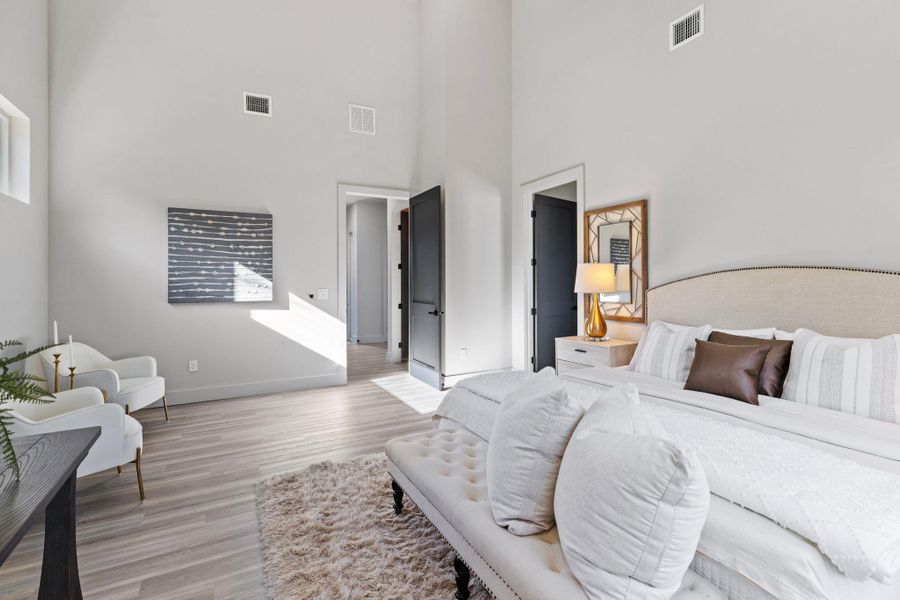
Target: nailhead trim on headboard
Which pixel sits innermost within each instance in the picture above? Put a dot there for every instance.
(853, 269)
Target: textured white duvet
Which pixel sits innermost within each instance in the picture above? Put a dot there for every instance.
(766, 459)
(851, 511)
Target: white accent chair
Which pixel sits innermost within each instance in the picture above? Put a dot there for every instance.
(121, 437)
(130, 382)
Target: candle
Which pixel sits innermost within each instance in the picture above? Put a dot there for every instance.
(71, 352)
(55, 334)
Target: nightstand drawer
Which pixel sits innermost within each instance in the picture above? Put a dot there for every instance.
(593, 356)
(564, 366)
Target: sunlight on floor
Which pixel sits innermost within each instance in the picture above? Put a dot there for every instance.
(419, 396)
(308, 326)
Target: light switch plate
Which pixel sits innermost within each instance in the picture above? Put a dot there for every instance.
(463, 353)
(192, 366)
(322, 294)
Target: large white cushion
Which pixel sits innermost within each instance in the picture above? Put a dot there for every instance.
(667, 350)
(629, 509)
(861, 377)
(533, 426)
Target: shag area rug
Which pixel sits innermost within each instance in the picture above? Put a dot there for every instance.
(330, 532)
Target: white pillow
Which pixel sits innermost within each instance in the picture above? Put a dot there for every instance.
(781, 334)
(766, 333)
(530, 434)
(629, 508)
(667, 350)
(857, 376)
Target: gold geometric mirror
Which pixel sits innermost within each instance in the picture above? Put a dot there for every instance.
(618, 235)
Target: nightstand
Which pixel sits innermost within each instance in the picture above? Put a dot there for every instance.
(577, 353)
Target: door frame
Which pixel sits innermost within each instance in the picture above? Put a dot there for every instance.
(397, 200)
(523, 332)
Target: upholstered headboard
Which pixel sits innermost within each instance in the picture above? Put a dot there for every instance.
(831, 300)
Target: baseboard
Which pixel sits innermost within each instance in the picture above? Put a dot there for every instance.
(256, 388)
(371, 339)
(451, 380)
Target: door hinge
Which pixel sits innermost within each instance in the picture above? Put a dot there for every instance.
(400, 345)
(400, 266)
(532, 360)
(533, 262)
(399, 227)
(533, 312)
(533, 214)
(400, 306)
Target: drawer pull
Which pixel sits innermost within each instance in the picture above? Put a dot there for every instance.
(582, 350)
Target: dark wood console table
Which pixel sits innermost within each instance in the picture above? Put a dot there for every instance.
(48, 464)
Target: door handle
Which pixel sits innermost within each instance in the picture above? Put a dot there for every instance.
(435, 313)
(581, 350)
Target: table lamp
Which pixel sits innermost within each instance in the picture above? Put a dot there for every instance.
(594, 278)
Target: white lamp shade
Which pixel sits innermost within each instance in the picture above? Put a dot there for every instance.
(623, 278)
(595, 277)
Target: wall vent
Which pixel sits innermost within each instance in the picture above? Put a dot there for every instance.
(257, 104)
(686, 28)
(362, 119)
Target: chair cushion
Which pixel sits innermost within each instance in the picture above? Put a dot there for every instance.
(528, 439)
(138, 392)
(629, 509)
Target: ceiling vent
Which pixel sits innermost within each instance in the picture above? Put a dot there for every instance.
(685, 29)
(257, 104)
(362, 119)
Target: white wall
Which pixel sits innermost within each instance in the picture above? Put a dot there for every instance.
(770, 140)
(464, 143)
(23, 227)
(432, 94)
(367, 219)
(146, 107)
(566, 191)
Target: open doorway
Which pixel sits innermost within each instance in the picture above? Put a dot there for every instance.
(554, 313)
(369, 282)
(549, 240)
(367, 275)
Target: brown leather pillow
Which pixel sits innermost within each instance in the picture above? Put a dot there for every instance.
(730, 371)
(775, 369)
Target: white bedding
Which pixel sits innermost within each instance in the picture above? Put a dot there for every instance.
(778, 560)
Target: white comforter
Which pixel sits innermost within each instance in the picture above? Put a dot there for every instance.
(851, 511)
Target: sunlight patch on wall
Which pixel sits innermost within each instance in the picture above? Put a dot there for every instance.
(308, 326)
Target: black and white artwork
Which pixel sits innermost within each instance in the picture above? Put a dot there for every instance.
(620, 251)
(219, 256)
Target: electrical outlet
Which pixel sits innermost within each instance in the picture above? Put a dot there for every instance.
(463, 353)
(322, 294)
(192, 366)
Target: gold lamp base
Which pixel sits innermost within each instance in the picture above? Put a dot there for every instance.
(595, 325)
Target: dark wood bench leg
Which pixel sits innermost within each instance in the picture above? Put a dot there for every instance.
(462, 579)
(59, 573)
(398, 497)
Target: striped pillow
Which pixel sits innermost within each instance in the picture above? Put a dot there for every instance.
(862, 378)
(667, 350)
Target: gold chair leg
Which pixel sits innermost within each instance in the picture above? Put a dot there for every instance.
(140, 477)
(166, 409)
(127, 412)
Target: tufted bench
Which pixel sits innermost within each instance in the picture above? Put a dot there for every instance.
(442, 471)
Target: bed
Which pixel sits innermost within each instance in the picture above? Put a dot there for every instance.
(743, 553)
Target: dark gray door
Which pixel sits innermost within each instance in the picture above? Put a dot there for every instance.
(425, 287)
(555, 311)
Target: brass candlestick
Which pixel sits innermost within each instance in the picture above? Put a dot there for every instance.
(71, 378)
(56, 372)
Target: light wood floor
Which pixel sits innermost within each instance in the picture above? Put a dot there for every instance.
(195, 536)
